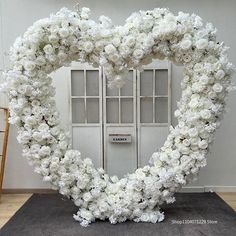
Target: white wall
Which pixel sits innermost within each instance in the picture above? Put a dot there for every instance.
(17, 15)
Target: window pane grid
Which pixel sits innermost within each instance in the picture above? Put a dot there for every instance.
(157, 113)
(85, 100)
(120, 103)
(156, 80)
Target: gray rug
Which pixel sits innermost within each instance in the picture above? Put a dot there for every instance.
(192, 214)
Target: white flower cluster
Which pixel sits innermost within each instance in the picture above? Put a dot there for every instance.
(66, 36)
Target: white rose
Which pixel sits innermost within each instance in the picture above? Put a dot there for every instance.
(186, 142)
(30, 120)
(24, 137)
(63, 145)
(177, 113)
(205, 114)
(204, 79)
(48, 49)
(55, 130)
(110, 49)
(175, 154)
(63, 32)
(29, 65)
(217, 88)
(184, 149)
(129, 41)
(138, 53)
(62, 56)
(87, 197)
(194, 103)
(202, 44)
(35, 148)
(114, 57)
(193, 132)
(47, 178)
(203, 144)
(53, 38)
(198, 87)
(40, 60)
(88, 47)
(44, 151)
(43, 127)
(116, 41)
(220, 74)
(37, 136)
(185, 44)
(198, 67)
(163, 157)
(194, 141)
(85, 12)
(204, 134)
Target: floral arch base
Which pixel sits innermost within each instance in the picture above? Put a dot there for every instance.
(72, 36)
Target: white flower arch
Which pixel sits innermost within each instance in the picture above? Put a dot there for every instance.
(71, 36)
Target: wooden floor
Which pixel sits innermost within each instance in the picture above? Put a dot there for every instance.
(10, 203)
(229, 198)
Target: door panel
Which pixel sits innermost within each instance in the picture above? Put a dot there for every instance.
(86, 140)
(121, 158)
(150, 140)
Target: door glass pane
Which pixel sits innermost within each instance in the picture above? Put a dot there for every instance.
(78, 110)
(111, 91)
(127, 89)
(146, 110)
(126, 110)
(146, 83)
(77, 82)
(112, 110)
(92, 82)
(93, 110)
(161, 82)
(161, 106)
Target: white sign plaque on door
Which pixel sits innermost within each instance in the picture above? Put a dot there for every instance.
(120, 138)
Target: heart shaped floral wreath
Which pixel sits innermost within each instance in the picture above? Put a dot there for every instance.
(71, 36)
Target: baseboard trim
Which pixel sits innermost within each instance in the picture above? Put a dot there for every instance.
(209, 188)
(220, 189)
(191, 189)
(194, 189)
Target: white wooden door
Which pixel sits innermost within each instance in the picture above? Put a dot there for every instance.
(140, 111)
(86, 112)
(153, 108)
(120, 119)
